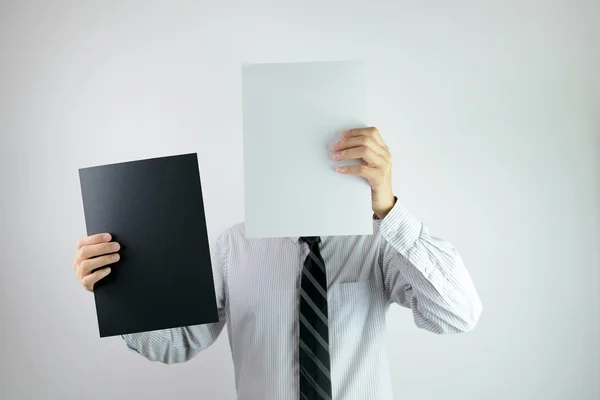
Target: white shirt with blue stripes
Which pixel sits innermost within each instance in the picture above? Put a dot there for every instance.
(257, 286)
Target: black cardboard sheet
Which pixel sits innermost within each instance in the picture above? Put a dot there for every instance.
(154, 209)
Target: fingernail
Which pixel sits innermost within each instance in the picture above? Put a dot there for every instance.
(106, 237)
(336, 156)
(106, 270)
(115, 246)
(339, 169)
(114, 257)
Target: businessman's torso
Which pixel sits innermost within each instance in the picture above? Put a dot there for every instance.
(262, 283)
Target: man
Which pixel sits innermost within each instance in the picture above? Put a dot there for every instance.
(306, 316)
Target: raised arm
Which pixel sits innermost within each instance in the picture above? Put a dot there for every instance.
(426, 274)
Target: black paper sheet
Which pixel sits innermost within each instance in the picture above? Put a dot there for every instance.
(154, 209)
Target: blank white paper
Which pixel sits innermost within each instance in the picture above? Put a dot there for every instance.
(292, 113)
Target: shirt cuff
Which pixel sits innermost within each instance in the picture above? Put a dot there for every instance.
(399, 227)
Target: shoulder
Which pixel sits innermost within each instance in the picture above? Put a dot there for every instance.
(235, 236)
(235, 232)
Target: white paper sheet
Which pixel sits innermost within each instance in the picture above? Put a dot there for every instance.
(292, 113)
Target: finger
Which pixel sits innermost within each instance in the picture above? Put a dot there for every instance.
(370, 132)
(93, 239)
(367, 172)
(95, 250)
(362, 152)
(358, 141)
(364, 141)
(87, 266)
(89, 281)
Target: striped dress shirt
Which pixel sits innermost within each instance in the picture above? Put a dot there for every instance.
(257, 285)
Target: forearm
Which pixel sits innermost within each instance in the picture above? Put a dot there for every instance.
(426, 274)
(443, 299)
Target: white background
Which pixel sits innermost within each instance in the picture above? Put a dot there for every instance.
(492, 112)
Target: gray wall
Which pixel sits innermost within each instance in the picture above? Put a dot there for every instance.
(492, 110)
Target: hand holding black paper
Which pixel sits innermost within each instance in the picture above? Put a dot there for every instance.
(94, 254)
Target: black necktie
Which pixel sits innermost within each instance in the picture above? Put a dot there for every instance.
(315, 375)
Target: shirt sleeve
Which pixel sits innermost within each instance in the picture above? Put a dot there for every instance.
(425, 274)
(181, 344)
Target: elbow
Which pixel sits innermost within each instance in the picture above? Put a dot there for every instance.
(472, 317)
(451, 322)
(169, 355)
(173, 356)
(176, 358)
(469, 319)
(177, 354)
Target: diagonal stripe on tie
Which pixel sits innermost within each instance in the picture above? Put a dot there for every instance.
(313, 320)
(319, 286)
(316, 358)
(317, 261)
(307, 389)
(314, 307)
(314, 384)
(317, 295)
(307, 331)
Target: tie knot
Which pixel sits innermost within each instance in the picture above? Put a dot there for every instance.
(311, 239)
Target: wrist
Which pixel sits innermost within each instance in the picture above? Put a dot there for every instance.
(381, 213)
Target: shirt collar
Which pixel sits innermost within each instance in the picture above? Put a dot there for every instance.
(296, 238)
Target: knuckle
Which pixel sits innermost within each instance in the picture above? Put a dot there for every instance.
(364, 139)
(88, 282)
(84, 265)
(82, 253)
